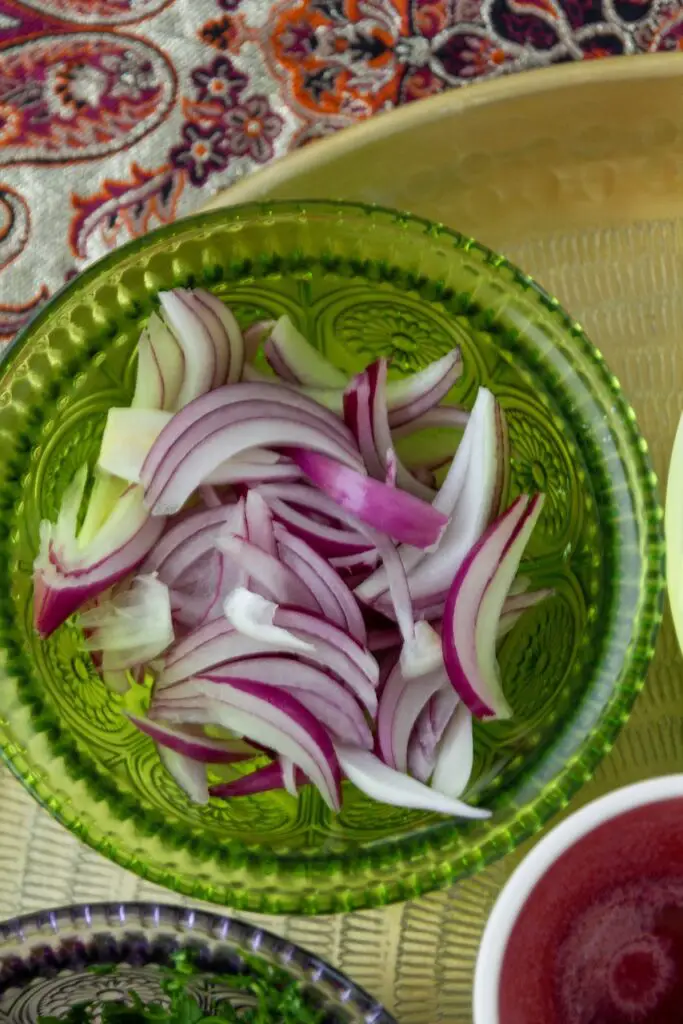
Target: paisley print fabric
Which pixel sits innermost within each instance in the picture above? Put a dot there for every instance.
(116, 116)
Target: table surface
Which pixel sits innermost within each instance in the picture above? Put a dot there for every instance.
(217, 94)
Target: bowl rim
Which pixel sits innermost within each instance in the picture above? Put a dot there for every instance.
(187, 922)
(356, 891)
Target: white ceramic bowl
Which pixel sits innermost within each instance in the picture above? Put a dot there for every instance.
(520, 885)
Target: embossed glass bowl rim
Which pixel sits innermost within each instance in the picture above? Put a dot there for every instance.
(79, 920)
(369, 877)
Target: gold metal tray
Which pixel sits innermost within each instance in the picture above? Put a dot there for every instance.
(575, 173)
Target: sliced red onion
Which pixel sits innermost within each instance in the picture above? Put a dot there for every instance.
(289, 775)
(276, 720)
(227, 336)
(314, 627)
(365, 414)
(474, 606)
(189, 774)
(449, 416)
(186, 542)
(378, 781)
(455, 755)
(161, 365)
(401, 703)
(225, 424)
(294, 505)
(411, 397)
(329, 591)
(401, 516)
(133, 626)
(66, 574)
(210, 496)
(468, 496)
(422, 652)
(317, 690)
(252, 616)
(429, 728)
(272, 577)
(127, 439)
(254, 336)
(198, 748)
(259, 523)
(263, 780)
(294, 359)
(194, 339)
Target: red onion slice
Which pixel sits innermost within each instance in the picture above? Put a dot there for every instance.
(66, 575)
(474, 605)
(175, 468)
(378, 781)
(329, 591)
(455, 755)
(263, 780)
(194, 339)
(259, 523)
(253, 615)
(320, 692)
(198, 748)
(276, 720)
(294, 359)
(273, 578)
(161, 365)
(401, 516)
(411, 397)
(189, 774)
(365, 413)
(226, 333)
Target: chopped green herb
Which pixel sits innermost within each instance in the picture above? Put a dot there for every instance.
(277, 1000)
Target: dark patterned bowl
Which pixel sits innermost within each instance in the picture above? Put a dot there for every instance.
(46, 961)
(360, 282)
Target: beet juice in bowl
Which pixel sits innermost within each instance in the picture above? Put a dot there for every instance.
(589, 928)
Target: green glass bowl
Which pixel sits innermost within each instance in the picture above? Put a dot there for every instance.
(360, 282)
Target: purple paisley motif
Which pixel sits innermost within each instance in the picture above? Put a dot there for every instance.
(97, 12)
(15, 225)
(76, 96)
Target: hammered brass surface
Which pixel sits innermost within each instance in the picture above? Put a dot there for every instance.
(575, 173)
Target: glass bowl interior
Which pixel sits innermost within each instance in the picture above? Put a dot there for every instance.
(359, 282)
(53, 960)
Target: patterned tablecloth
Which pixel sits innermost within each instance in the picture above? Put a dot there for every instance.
(119, 115)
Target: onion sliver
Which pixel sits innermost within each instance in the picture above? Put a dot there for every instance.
(226, 333)
(252, 616)
(127, 439)
(378, 781)
(365, 414)
(294, 359)
(474, 605)
(399, 515)
(321, 693)
(224, 434)
(276, 720)
(244, 395)
(455, 755)
(263, 780)
(188, 773)
(275, 580)
(199, 748)
(161, 365)
(66, 575)
(328, 589)
(133, 627)
(410, 397)
(194, 339)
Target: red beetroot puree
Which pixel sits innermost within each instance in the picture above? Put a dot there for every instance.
(600, 938)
